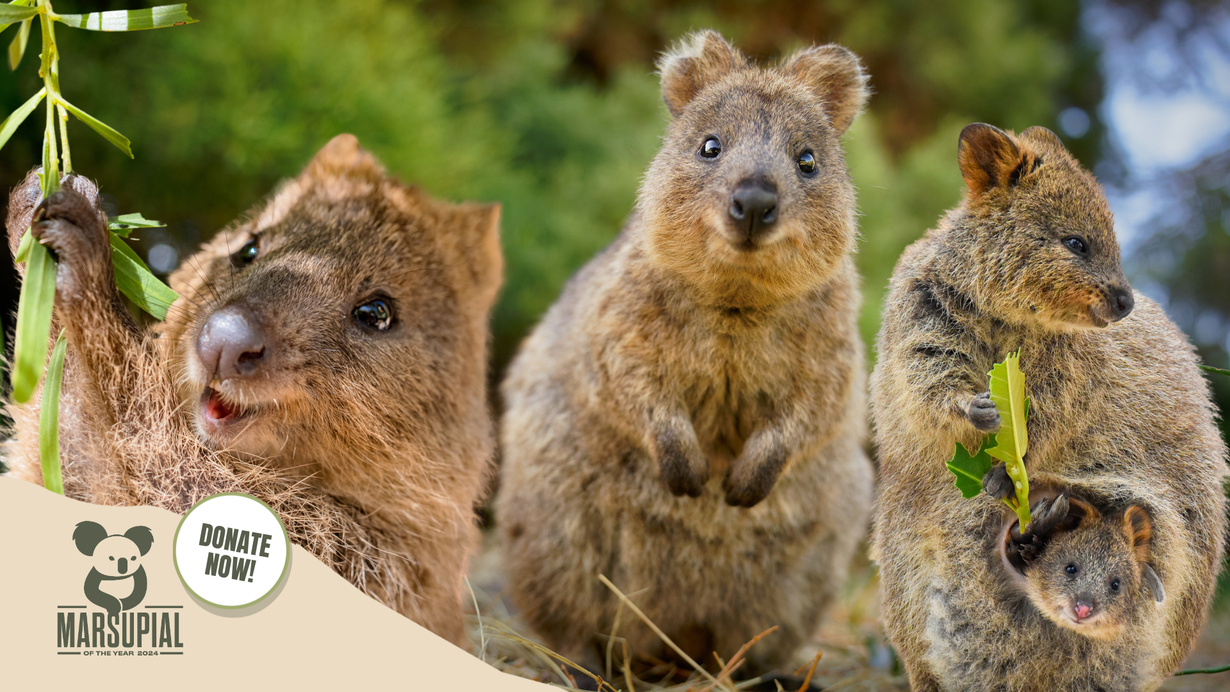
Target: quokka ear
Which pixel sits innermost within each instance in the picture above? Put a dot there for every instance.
(991, 158)
(1040, 134)
(473, 234)
(837, 77)
(342, 157)
(1149, 577)
(1139, 529)
(693, 63)
(87, 536)
(1081, 513)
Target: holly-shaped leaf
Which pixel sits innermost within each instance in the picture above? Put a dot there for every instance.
(1012, 440)
(969, 469)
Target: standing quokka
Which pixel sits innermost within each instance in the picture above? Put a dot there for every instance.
(1029, 261)
(689, 417)
(327, 355)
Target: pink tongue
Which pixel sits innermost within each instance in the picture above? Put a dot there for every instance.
(217, 408)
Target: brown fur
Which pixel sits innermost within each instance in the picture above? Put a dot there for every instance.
(681, 373)
(1091, 558)
(372, 447)
(1119, 411)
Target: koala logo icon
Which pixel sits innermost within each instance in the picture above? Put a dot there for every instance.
(117, 581)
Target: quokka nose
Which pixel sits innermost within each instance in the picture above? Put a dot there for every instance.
(1082, 610)
(753, 207)
(231, 343)
(1122, 302)
(123, 565)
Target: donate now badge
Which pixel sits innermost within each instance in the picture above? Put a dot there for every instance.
(231, 550)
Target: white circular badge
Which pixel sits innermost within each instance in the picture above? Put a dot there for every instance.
(231, 550)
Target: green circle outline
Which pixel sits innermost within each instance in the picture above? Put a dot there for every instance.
(175, 555)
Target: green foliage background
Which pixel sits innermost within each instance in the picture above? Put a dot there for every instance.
(551, 109)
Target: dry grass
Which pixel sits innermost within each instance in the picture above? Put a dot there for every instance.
(848, 653)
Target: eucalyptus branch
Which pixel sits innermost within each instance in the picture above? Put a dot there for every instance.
(37, 299)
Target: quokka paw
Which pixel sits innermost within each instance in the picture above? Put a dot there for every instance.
(998, 484)
(983, 414)
(22, 201)
(1046, 516)
(752, 477)
(748, 494)
(684, 467)
(71, 226)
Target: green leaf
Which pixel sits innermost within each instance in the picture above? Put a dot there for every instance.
(23, 248)
(38, 292)
(130, 20)
(123, 225)
(100, 127)
(11, 14)
(49, 420)
(969, 469)
(18, 47)
(136, 281)
(1012, 440)
(1219, 371)
(11, 123)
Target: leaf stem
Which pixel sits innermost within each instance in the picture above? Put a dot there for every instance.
(53, 90)
(49, 71)
(1022, 515)
(68, 161)
(1203, 671)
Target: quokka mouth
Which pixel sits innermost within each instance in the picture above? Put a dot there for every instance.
(217, 413)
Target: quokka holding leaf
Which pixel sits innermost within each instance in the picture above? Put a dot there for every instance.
(688, 419)
(1118, 406)
(327, 355)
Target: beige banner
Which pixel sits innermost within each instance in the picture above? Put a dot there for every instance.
(316, 632)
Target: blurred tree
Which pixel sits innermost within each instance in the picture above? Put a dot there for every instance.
(1179, 49)
(1186, 259)
(935, 69)
(550, 108)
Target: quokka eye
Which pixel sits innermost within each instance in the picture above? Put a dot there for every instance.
(711, 148)
(1070, 569)
(375, 314)
(1077, 245)
(247, 253)
(1114, 586)
(112, 558)
(807, 163)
